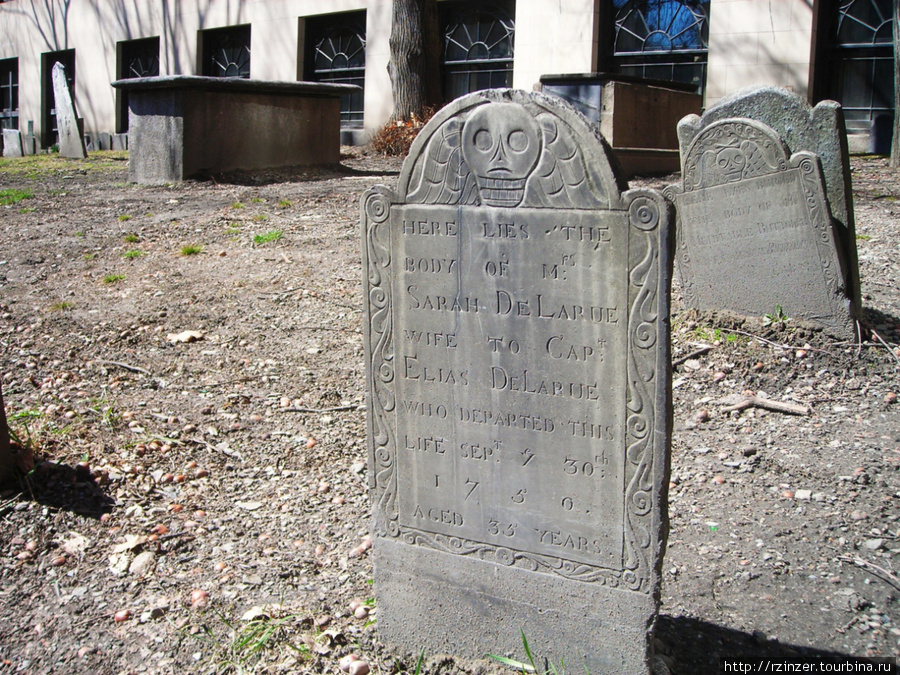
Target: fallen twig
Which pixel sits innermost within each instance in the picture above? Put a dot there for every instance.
(886, 345)
(354, 406)
(126, 366)
(883, 574)
(222, 384)
(742, 402)
(697, 352)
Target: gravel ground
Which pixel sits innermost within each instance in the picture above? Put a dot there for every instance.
(184, 364)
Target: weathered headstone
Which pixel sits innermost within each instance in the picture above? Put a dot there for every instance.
(71, 142)
(29, 143)
(820, 130)
(755, 235)
(12, 143)
(519, 393)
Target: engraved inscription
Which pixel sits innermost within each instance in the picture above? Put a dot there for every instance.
(506, 394)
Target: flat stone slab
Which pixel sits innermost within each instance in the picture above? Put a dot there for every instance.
(183, 126)
(519, 391)
(755, 234)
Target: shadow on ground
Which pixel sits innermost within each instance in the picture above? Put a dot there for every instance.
(694, 647)
(66, 488)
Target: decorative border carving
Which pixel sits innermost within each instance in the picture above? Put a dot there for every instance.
(645, 441)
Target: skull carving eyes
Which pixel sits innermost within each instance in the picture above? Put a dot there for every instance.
(731, 162)
(501, 143)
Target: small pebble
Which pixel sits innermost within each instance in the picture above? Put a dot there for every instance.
(347, 661)
(361, 612)
(890, 397)
(359, 668)
(122, 615)
(199, 598)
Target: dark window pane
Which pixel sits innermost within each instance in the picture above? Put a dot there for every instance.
(861, 60)
(337, 54)
(478, 47)
(662, 39)
(226, 52)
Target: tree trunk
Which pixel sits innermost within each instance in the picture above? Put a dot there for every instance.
(7, 460)
(895, 145)
(415, 57)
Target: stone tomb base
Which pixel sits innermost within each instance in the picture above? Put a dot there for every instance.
(184, 126)
(461, 605)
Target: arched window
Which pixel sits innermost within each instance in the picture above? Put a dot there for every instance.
(478, 47)
(662, 39)
(861, 60)
(226, 52)
(338, 54)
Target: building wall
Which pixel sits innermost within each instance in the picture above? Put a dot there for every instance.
(753, 42)
(30, 28)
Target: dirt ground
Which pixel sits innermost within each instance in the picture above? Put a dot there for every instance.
(198, 500)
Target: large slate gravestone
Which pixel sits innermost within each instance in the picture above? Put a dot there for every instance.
(71, 142)
(820, 130)
(519, 393)
(755, 234)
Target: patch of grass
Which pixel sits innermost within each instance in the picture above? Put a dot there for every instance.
(11, 196)
(776, 317)
(62, 306)
(257, 200)
(41, 166)
(260, 216)
(131, 238)
(237, 205)
(191, 249)
(243, 646)
(266, 237)
(285, 203)
(28, 209)
(132, 254)
(530, 666)
(863, 237)
(113, 278)
(89, 256)
(124, 217)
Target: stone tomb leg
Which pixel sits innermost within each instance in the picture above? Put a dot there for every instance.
(517, 343)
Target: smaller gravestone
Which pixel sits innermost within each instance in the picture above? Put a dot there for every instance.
(104, 141)
(755, 235)
(819, 129)
(71, 142)
(29, 143)
(119, 142)
(12, 143)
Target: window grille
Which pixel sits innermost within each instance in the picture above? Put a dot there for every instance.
(478, 48)
(9, 93)
(226, 52)
(662, 40)
(136, 58)
(338, 55)
(862, 60)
